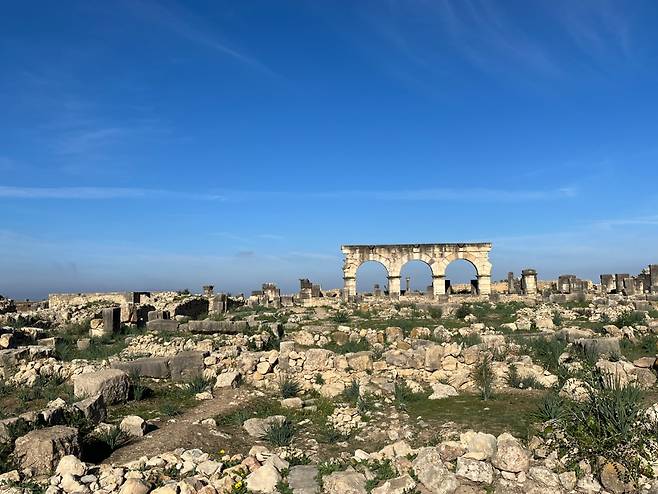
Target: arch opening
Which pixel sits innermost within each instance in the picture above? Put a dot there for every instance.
(461, 277)
(416, 278)
(372, 278)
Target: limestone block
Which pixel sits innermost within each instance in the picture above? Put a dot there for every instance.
(113, 384)
(41, 450)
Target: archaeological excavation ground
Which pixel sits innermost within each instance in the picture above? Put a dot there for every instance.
(517, 386)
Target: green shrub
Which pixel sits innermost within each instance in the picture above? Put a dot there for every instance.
(462, 311)
(483, 376)
(365, 403)
(551, 407)
(468, 339)
(170, 409)
(608, 426)
(545, 351)
(280, 433)
(435, 312)
(137, 386)
(513, 379)
(381, 471)
(282, 487)
(403, 394)
(288, 386)
(352, 392)
(319, 380)
(630, 318)
(557, 318)
(341, 317)
(331, 435)
(113, 437)
(197, 384)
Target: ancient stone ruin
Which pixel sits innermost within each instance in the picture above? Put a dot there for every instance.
(493, 389)
(436, 256)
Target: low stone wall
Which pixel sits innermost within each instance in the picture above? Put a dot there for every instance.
(62, 300)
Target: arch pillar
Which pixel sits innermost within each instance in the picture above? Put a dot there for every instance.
(484, 284)
(394, 286)
(438, 285)
(349, 287)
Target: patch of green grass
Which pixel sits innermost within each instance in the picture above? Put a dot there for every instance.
(490, 314)
(15, 400)
(257, 408)
(646, 345)
(163, 400)
(504, 412)
(576, 304)
(349, 346)
(99, 348)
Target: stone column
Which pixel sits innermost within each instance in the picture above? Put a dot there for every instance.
(349, 287)
(111, 323)
(619, 281)
(394, 286)
(529, 281)
(484, 284)
(510, 283)
(438, 285)
(653, 277)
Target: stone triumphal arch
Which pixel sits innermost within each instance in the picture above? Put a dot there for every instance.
(436, 256)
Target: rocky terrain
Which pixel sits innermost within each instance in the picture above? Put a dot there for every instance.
(473, 395)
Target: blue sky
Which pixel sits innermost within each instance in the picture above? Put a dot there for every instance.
(161, 145)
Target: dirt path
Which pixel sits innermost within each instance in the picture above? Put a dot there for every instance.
(183, 433)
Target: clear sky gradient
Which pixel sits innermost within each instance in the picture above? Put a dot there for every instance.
(161, 145)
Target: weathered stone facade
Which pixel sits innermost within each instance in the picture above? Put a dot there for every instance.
(436, 256)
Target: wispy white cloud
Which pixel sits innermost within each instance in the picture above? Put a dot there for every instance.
(420, 195)
(434, 194)
(601, 29)
(96, 193)
(183, 23)
(651, 220)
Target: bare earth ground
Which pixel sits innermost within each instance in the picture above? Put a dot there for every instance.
(181, 432)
